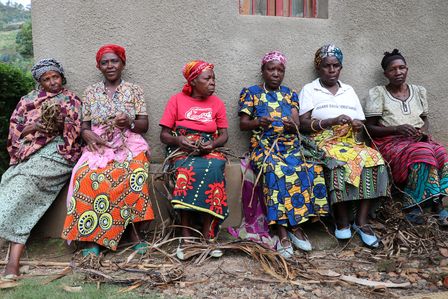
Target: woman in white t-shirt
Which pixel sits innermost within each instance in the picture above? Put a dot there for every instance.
(332, 113)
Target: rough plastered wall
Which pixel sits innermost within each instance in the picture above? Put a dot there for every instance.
(162, 35)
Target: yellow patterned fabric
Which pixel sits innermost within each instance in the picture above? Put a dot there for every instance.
(340, 143)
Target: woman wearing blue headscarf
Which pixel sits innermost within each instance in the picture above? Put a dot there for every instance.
(330, 110)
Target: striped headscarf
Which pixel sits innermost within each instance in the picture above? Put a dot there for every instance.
(191, 71)
(274, 55)
(111, 48)
(45, 65)
(327, 51)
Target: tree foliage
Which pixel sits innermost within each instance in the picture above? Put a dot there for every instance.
(13, 13)
(24, 40)
(14, 83)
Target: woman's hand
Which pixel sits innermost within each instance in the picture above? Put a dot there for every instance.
(289, 125)
(94, 142)
(33, 128)
(357, 125)
(186, 144)
(406, 130)
(341, 120)
(206, 147)
(265, 122)
(122, 121)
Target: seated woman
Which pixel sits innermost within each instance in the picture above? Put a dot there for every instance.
(194, 124)
(293, 188)
(397, 120)
(43, 144)
(109, 188)
(332, 113)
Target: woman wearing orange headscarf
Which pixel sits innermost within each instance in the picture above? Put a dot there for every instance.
(194, 124)
(109, 188)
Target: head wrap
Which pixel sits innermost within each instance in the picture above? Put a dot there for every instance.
(274, 55)
(389, 57)
(327, 51)
(111, 48)
(45, 65)
(191, 71)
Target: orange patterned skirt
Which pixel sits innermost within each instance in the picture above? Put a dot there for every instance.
(106, 200)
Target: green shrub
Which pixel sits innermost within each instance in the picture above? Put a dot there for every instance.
(14, 83)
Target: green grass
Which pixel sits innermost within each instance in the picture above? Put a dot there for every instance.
(34, 288)
(8, 42)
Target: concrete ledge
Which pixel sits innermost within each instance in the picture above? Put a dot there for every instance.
(51, 224)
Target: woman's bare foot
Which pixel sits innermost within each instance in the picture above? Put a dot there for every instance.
(12, 268)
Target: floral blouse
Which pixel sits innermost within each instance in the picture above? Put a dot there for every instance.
(98, 108)
(28, 112)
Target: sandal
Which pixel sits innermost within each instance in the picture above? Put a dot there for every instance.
(9, 277)
(95, 250)
(443, 218)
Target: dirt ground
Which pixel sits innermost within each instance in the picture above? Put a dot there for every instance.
(328, 272)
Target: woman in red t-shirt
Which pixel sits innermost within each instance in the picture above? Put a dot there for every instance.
(194, 124)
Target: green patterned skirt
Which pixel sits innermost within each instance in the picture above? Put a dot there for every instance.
(28, 189)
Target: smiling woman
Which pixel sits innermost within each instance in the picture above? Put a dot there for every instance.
(109, 189)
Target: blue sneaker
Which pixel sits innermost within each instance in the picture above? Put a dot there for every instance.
(305, 245)
(369, 240)
(343, 234)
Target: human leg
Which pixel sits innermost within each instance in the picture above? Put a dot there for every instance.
(13, 265)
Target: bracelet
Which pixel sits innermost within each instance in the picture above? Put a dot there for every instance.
(312, 125)
(320, 125)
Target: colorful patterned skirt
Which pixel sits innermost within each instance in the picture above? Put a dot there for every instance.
(293, 188)
(106, 200)
(29, 188)
(200, 182)
(362, 176)
(421, 166)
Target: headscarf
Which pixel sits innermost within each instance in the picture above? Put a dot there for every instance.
(191, 71)
(327, 51)
(111, 48)
(45, 65)
(274, 55)
(389, 57)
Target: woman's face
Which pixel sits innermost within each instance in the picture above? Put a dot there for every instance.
(111, 66)
(329, 70)
(204, 84)
(273, 73)
(396, 72)
(51, 81)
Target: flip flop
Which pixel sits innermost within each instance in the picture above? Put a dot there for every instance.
(95, 250)
(9, 277)
(141, 248)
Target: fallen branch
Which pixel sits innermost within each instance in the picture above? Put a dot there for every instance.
(375, 284)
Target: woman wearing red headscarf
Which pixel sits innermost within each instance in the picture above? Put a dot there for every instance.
(109, 189)
(193, 125)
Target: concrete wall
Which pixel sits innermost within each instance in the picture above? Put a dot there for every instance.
(161, 36)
